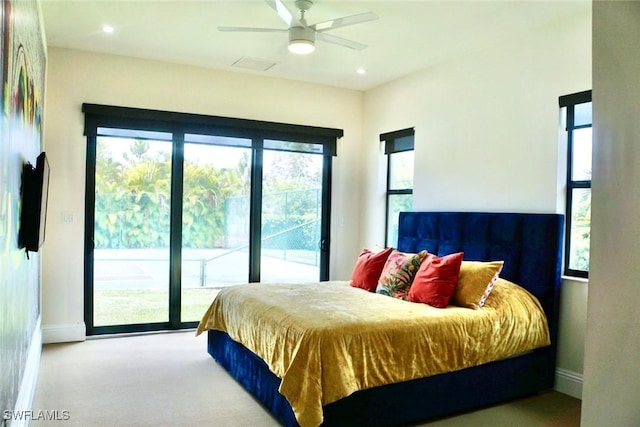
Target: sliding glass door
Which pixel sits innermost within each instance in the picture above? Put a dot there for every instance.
(215, 220)
(131, 231)
(291, 217)
(179, 206)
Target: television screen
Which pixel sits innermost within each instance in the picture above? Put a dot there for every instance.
(35, 191)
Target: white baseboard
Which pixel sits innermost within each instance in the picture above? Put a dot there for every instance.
(63, 333)
(29, 378)
(569, 382)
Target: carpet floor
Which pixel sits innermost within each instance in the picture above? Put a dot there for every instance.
(168, 379)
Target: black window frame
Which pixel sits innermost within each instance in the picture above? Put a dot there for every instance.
(395, 142)
(569, 102)
(101, 118)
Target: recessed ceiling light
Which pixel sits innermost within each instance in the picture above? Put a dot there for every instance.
(361, 71)
(107, 29)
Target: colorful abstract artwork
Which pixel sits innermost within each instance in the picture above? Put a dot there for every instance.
(22, 64)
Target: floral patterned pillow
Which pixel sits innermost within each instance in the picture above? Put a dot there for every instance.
(398, 273)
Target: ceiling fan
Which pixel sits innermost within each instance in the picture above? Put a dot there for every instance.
(302, 36)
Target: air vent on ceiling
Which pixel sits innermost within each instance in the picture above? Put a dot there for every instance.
(253, 64)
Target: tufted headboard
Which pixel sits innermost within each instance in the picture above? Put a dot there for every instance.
(530, 245)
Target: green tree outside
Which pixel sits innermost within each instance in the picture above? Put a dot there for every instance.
(133, 196)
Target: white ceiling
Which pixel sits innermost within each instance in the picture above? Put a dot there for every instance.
(407, 37)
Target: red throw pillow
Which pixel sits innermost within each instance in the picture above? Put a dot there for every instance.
(368, 269)
(436, 280)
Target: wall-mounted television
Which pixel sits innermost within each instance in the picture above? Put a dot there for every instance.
(34, 193)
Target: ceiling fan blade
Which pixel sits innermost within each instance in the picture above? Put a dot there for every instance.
(282, 11)
(343, 22)
(330, 38)
(252, 29)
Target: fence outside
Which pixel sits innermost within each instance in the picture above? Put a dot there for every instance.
(290, 234)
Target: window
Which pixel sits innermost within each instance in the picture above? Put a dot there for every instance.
(398, 146)
(181, 205)
(576, 112)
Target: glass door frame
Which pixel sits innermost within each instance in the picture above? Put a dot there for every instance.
(175, 237)
(101, 116)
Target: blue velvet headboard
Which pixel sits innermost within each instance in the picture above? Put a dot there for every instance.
(529, 244)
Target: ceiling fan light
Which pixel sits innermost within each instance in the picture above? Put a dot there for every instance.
(302, 40)
(301, 47)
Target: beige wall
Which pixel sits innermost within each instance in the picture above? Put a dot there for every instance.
(612, 356)
(486, 138)
(76, 77)
(573, 322)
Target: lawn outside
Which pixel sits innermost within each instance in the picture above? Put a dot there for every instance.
(132, 286)
(129, 306)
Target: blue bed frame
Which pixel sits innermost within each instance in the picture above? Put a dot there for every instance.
(530, 245)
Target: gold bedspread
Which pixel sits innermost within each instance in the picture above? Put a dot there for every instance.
(327, 340)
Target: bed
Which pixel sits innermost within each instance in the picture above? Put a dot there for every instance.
(529, 244)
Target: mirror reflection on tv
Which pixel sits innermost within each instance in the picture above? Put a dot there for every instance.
(34, 193)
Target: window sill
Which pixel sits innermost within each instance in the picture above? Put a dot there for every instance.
(584, 280)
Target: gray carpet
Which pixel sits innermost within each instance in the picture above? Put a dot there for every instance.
(168, 379)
